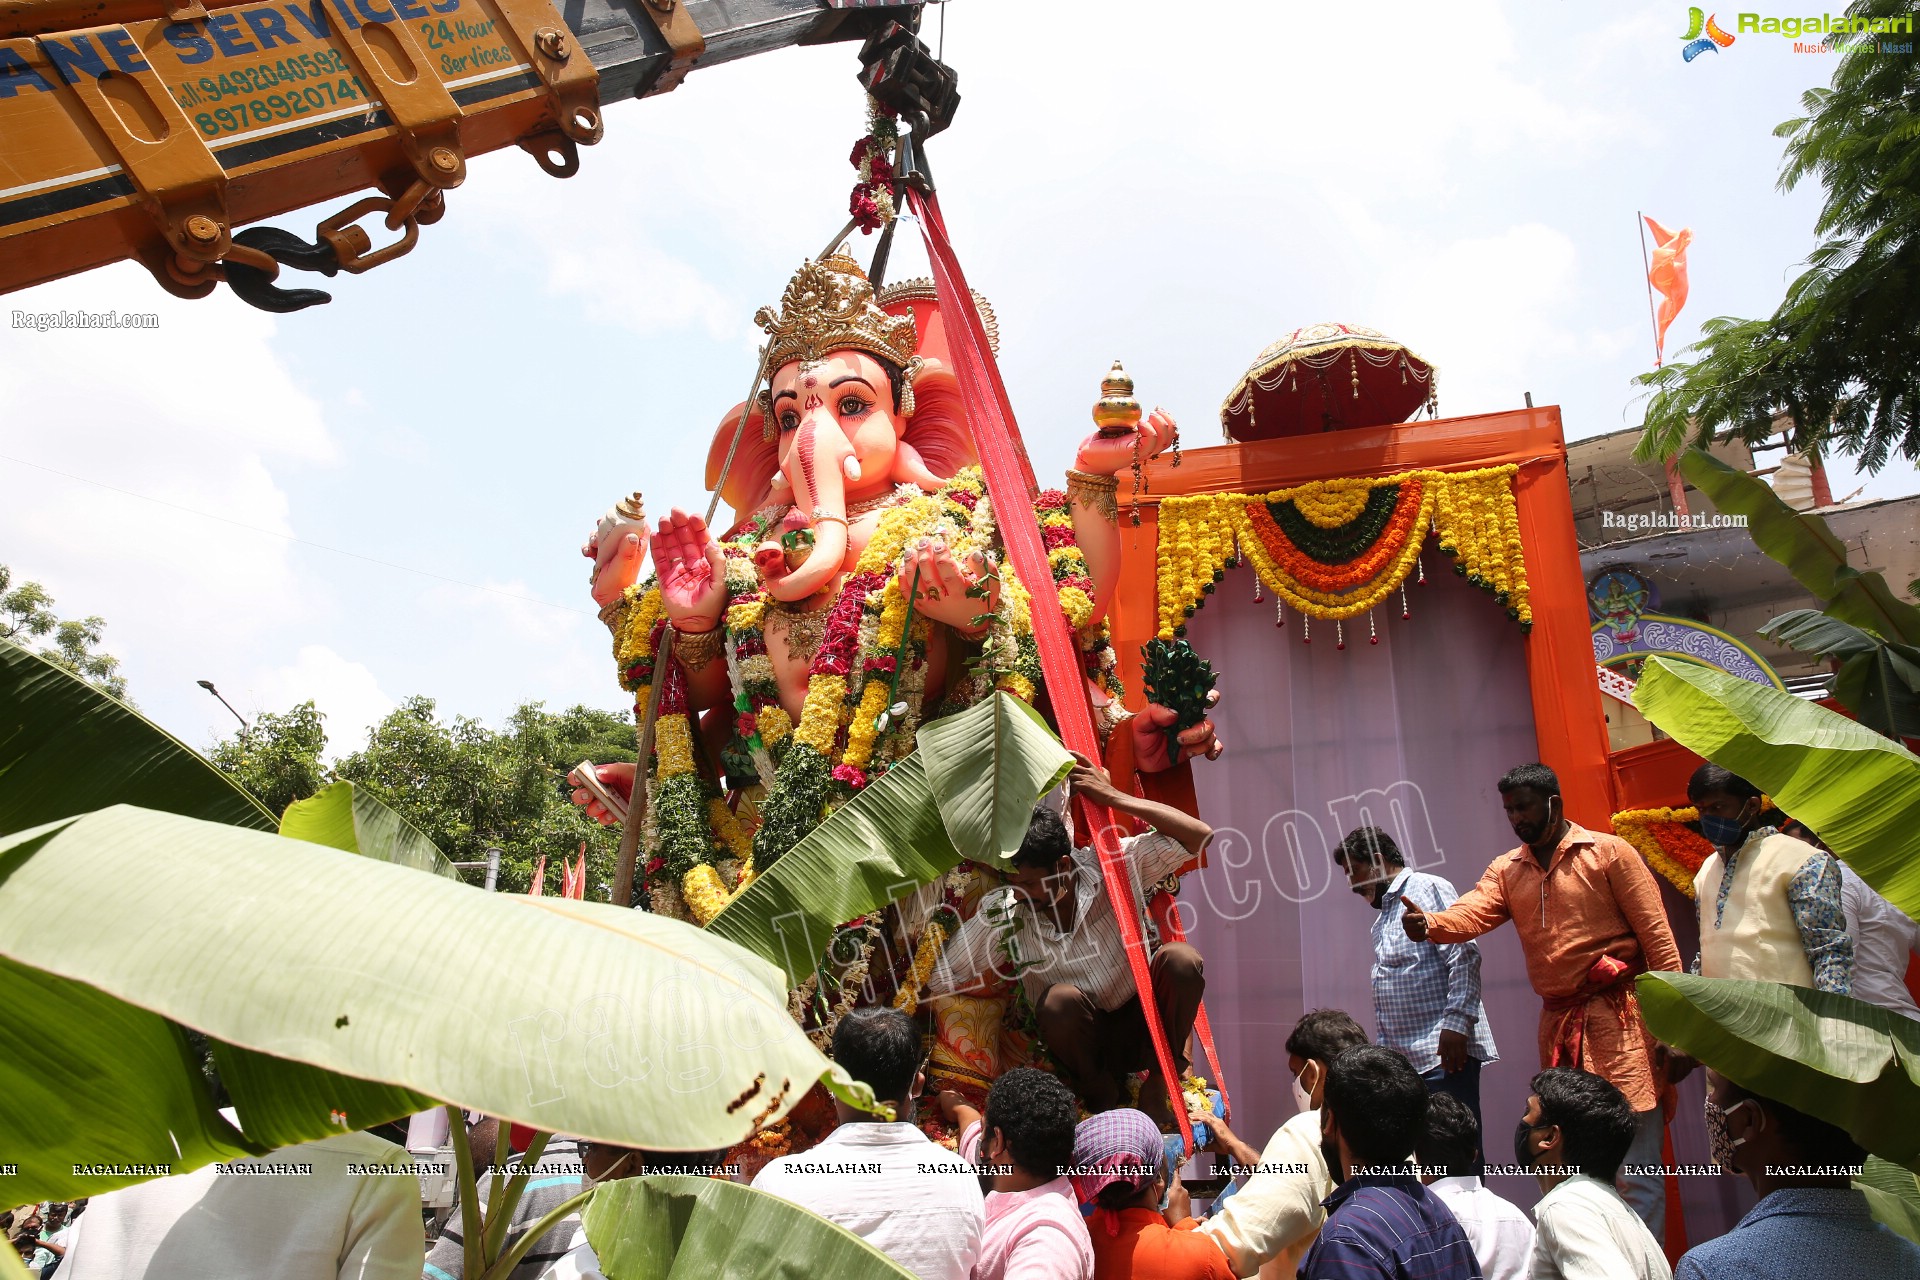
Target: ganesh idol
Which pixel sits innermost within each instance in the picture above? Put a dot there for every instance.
(860, 593)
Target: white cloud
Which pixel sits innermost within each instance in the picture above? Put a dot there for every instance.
(347, 692)
(198, 414)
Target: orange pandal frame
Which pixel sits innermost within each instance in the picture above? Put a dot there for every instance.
(1569, 721)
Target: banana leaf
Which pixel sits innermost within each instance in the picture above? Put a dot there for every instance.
(1843, 1060)
(1878, 680)
(670, 1227)
(661, 1035)
(1893, 1196)
(987, 765)
(976, 773)
(11, 1268)
(1859, 790)
(123, 1084)
(66, 748)
(1806, 546)
(342, 816)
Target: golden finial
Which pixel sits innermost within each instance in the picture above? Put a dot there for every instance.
(1117, 413)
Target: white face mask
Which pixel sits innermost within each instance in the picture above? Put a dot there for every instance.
(1302, 1091)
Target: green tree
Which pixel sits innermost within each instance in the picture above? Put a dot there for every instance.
(1838, 353)
(470, 788)
(278, 758)
(26, 613)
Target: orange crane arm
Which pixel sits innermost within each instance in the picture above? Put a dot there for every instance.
(155, 136)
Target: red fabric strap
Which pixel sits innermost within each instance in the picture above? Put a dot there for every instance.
(1010, 483)
(1166, 914)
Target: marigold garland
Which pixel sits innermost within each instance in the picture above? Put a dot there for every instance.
(925, 957)
(1315, 547)
(1663, 837)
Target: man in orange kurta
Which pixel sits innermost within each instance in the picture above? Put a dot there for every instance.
(1589, 917)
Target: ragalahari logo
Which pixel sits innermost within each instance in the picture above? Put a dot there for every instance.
(1714, 39)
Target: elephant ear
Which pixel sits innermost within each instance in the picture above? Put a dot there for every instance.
(756, 465)
(938, 428)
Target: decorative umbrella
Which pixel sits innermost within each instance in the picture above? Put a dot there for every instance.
(1326, 377)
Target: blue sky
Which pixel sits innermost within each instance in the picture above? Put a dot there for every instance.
(1174, 194)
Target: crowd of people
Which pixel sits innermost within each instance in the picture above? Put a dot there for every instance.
(1071, 1173)
(38, 1233)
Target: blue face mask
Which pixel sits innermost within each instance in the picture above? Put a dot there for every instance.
(1724, 833)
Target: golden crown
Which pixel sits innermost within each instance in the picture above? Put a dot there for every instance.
(829, 306)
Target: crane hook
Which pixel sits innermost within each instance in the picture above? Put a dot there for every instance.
(256, 287)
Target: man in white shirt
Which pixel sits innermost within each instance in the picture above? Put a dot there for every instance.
(1449, 1152)
(1883, 937)
(1266, 1226)
(1574, 1137)
(886, 1181)
(342, 1208)
(1053, 927)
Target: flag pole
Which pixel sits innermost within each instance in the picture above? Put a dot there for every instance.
(1646, 274)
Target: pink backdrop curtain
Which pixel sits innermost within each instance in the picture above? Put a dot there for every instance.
(1411, 735)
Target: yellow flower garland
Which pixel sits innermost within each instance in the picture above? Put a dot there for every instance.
(925, 957)
(820, 713)
(706, 895)
(1332, 503)
(1637, 828)
(673, 743)
(634, 642)
(1472, 513)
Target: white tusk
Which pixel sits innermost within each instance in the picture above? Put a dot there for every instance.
(852, 467)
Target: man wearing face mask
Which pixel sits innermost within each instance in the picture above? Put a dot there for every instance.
(1426, 1000)
(1381, 1221)
(1589, 918)
(1574, 1136)
(1810, 1220)
(1268, 1224)
(1770, 905)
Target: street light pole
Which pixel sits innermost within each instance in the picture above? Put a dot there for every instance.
(208, 686)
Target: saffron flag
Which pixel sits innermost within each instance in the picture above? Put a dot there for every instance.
(539, 886)
(1668, 278)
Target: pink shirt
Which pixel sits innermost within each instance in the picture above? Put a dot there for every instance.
(1030, 1235)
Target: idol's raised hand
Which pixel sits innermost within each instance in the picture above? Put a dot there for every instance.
(693, 573)
(617, 547)
(1105, 455)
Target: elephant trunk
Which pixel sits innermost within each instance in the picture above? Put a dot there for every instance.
(821, 456)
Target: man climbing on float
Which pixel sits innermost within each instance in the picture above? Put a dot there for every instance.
(1052, 926)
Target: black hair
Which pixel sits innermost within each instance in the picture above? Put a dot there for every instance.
(1045, 843)
(1120, 1195)
(1596, 1122)
(697, 1163)
(880, 1047)
(1810, 1138)
(1325, 1034)
(1364, 843)
(1036, 1114)
(895, 379)
(1379, 1103)
(1451, 1140)
(1712, 777)
(1531, 777)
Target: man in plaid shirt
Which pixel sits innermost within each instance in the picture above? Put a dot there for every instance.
(1426, 999)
